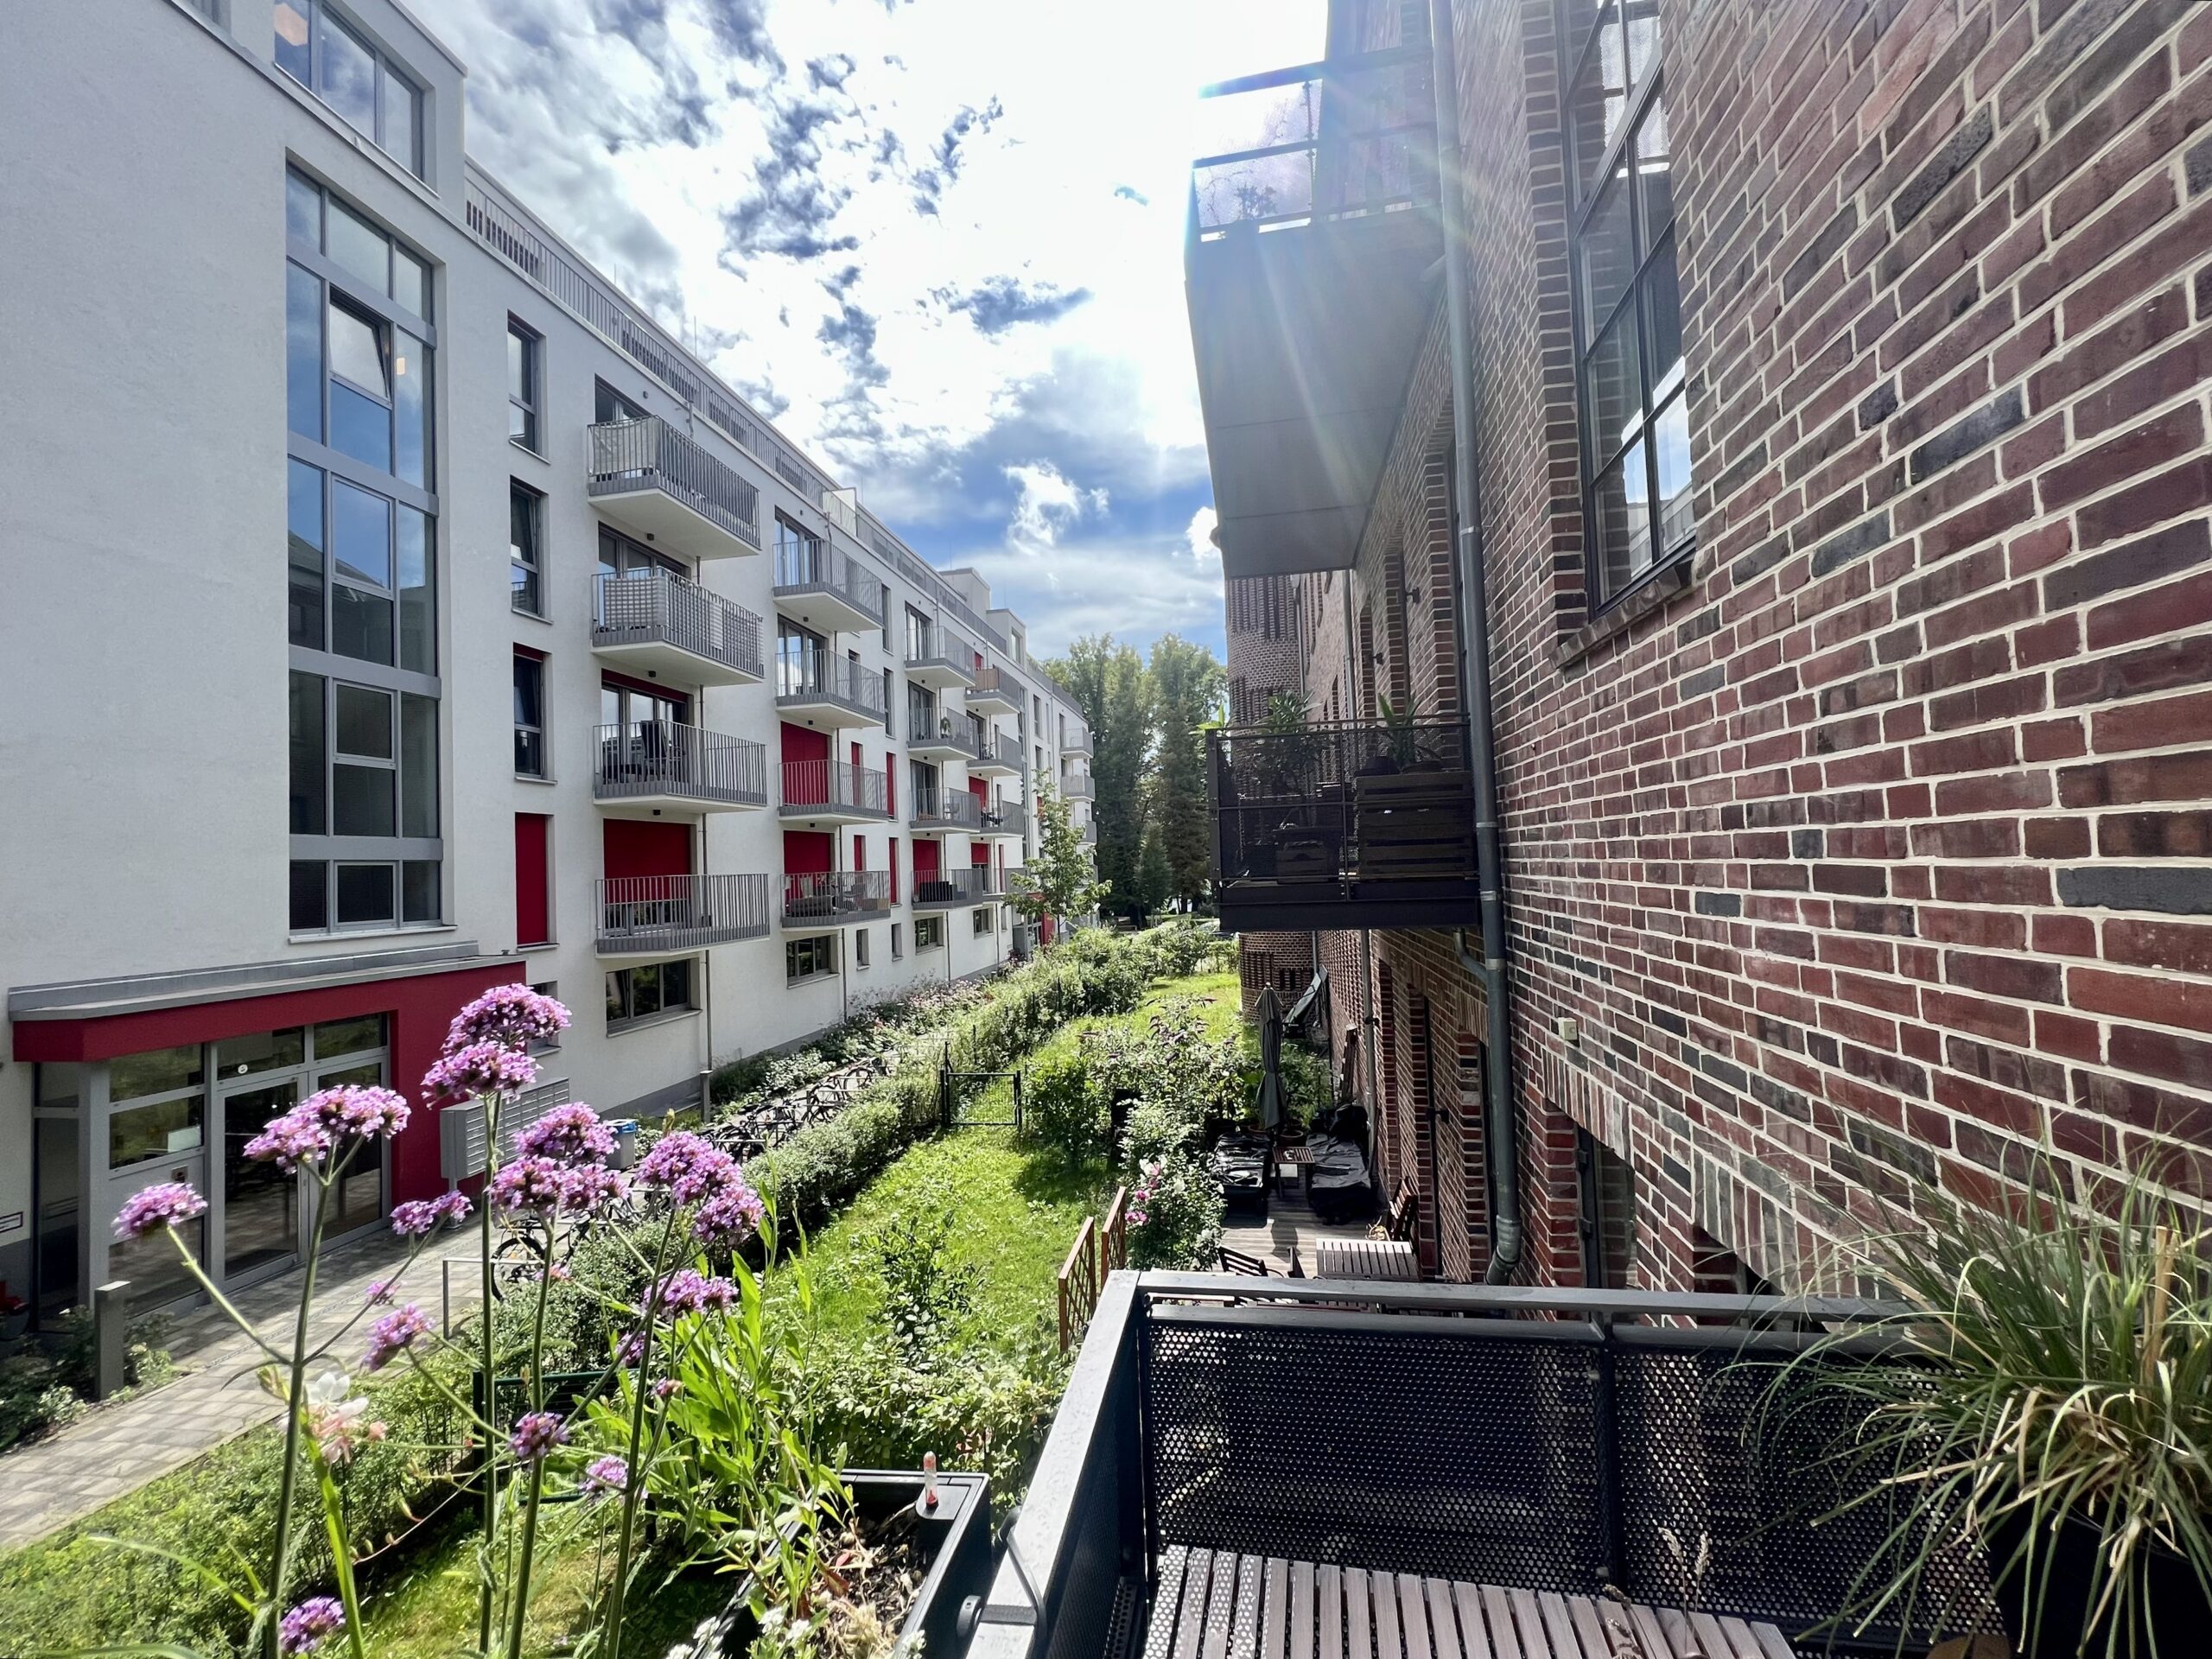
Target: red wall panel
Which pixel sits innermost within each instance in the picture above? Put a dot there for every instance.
(644, 847)
(807, 852)
(533, 902)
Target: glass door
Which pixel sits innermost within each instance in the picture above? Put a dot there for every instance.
(261, 1203)
(358, 1199)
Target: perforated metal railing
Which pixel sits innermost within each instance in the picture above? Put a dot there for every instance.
(1568, 1440)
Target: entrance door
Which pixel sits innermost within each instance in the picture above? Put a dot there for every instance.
(261, 1203)
(357, 1201)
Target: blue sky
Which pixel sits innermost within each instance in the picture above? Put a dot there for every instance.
(940, 241)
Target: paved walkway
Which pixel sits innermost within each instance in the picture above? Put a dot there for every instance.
(117, 1448)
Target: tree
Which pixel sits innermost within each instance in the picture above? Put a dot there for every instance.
(1154, 880)
(1059, 877)
(1109, 682)
(1188, 684)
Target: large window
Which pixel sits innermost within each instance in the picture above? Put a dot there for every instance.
(1634, 416)
(526, 548)
(360, 574)
(649, 990)
(529, 715)
(798, 555)
(803, 660)
(328, 56)
(929, 932)
(525, 378)
(809, 958)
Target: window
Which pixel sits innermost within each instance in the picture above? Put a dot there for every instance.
(620, 556)
(529, 715)
(1605, 1214)
(860, 948)
(929, 932)
(890, 708)
(525, 370)
(366, 90)
(363, 764)
(525, 548)
(980, 921)
(798, 555)
(809, 958)
(919, 643)
(802, 660)
(547, 987)
(608, 405)
(652, 988)
(898, 932)
(1634, 414)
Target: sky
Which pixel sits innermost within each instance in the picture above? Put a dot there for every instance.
(938, 242)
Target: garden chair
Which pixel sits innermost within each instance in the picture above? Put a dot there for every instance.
(1250, 1266)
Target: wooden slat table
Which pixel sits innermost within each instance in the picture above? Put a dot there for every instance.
(1364, 1258)
(1214, 1604)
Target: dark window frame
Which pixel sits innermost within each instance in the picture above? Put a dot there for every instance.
(1658, 397)
(819, 948)
(526, 576)
(525, 731)
(624, 988)
(530, 402)
(321, 17)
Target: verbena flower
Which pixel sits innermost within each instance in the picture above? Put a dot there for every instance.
(509, 1016)
(537, 1434)
(689, 1291)
(631, 1350)
(378, 1292)
(536, 1183)
(590, 1188)
(418, 1218)
(158, 1207)
(686, 1166)
(290, 1139)
(666, 1387)
(730, 1217)
(607, 1477)
(358, 1108)
(567, 1134)
(477, 1070)
(393, 1335)
(309, 1625)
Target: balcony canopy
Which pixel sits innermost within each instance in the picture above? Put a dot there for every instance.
(1311, 270)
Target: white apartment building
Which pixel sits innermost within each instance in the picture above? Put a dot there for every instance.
(395, 610)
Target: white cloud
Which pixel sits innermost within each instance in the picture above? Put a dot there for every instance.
(1199, 537)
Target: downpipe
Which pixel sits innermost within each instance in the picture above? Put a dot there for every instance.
(1501, 1137)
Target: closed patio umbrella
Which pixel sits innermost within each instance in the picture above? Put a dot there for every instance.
(1269, 1105)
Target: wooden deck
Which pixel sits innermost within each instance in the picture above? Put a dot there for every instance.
(1213, 1604)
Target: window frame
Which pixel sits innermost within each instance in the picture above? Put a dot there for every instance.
(859, 947)
(898, 941)
(821, 947)
(627, 979)
(518, 492)
(321, 17)
(530, 404)
(934, 927)
(1656, 398)
(544, 772)
(981, 922)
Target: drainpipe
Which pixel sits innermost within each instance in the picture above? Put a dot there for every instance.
(1501, 1133)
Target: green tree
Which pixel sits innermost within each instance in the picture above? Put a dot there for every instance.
(1109, 682)
(1060, 881)
(1156, 880)
(1188, 684)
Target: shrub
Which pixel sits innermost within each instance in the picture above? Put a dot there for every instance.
(1062, 1107)
(50, 1385)
(927, 1300)
(1175, 1211)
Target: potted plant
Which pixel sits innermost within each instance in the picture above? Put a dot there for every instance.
(2047, 1393)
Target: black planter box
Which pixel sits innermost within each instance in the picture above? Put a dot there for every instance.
(955, 1541)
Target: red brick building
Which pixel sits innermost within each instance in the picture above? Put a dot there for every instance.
(1836, 384)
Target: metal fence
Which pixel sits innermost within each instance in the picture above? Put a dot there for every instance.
(932, 644)
(833, 786)
(820, 568)
(949, 889)
(824, 677)
(996, 682)
(941, 806)
(645, 758)
(659, 607)
(630, 455)
(644, 913)
(836, 895)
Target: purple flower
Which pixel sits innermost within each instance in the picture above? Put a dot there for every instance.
(730, 1217)
(686, 1166)
(480, 1069)
(631, 1350)
(309, 1625)
(590, 1188)
(392, 1336)
(291, 1139)
(567, 1134)
(536, 1183)
(537, 1434)
(156, 1207)
(666, 1387)
(377, 1293)
(689, 1291)
(418, 1218)
(605, 1477)
(507, 1016)
(354, 1108)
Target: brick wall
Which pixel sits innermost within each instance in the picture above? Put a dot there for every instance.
(1879, 850)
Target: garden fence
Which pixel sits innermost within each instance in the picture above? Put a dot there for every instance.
(1100, 1247)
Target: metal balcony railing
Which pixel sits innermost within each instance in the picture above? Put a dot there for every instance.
(998, 747)
(939, 807)
(630, 455)
(824, 677)
(658, 607)
(1077, 741)
(1075, 783)
(953, 731)
(997, 683)
(836, 895)
(1350, 136)
(645, 758)
(827, 786)
(820, 568)
(644, 914)
(948, 889)
(932, 644)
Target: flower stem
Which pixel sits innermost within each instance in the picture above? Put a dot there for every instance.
(289, 1479)
(333, 1519)
(491, 1468)
(518, 1592)
(611, 1638)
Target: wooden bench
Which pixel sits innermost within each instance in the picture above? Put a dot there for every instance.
(1214, 1604)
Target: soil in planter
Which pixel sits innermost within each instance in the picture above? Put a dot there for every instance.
(870, 1585)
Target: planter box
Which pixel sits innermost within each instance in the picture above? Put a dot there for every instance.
(956, 1542)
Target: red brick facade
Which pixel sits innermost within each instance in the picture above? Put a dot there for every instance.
(1875, 846)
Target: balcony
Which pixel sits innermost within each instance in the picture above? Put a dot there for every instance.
(1004, 818)
(1462, 1458)
(828, 692)
(949, 889)
(820, 588)
(996, 692)
(819, 793)
(661, 486)
(1089, 836)
(942, 810)
(1077, 741)
(937, 736)
(995, 755)
(1313, 232)
(664, 765)
(830, 898)
(937, 657)
(657, 624)
(1076, 784)
(1358, 825)
(668, 915)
